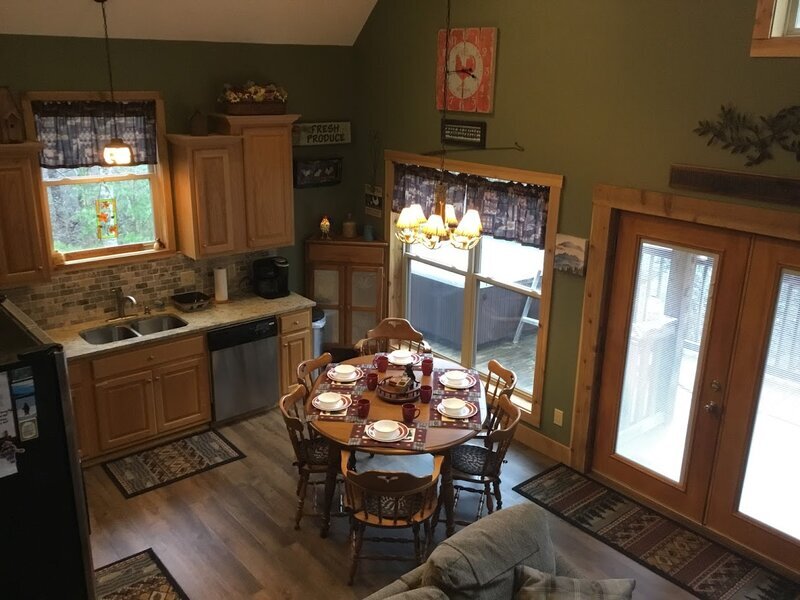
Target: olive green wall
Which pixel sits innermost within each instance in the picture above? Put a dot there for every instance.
(597, 91)
(320, 81)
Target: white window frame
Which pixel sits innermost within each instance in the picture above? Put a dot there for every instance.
(400, 262)
(160, 186)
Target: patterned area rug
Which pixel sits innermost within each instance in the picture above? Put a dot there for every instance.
(144, 471)
(695, 563)
(138, 577)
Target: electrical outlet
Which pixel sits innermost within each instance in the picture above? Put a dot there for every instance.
(187, 279)
(558, 417)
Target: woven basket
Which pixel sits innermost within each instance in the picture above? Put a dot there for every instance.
(252, 108)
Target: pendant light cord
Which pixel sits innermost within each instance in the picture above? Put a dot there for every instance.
(108, 64)
(445, 68)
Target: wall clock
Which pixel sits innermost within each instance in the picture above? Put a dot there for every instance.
(470, 69)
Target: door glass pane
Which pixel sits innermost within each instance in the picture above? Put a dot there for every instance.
(326, 286)
(363, 290)
(503, 335)
(769, 491)
(436, 307)
(667, 326)
(361, 321)
(330, 333)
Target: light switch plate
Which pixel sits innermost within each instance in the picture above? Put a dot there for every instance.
(558, 417)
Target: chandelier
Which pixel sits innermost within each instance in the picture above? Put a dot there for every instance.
(442, 225)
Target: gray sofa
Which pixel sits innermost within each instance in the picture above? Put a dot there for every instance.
(479, 561)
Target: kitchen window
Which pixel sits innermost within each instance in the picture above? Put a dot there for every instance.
(96, 212)
(492, 301)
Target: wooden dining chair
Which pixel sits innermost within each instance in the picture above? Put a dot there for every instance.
(309, 370)
(479, 466)
(500, 382)
(310, 449)
(392, 333)
(389, 500)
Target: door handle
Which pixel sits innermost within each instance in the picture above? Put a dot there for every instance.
(716, 385)
(711, 407)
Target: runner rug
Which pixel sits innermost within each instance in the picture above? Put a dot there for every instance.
(141, 576)
(156, 467)
(695, 563)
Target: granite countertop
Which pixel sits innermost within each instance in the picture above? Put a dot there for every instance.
(237, 310)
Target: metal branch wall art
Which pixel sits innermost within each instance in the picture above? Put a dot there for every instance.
(743, 133)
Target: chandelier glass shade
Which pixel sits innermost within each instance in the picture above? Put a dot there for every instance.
(441, 226)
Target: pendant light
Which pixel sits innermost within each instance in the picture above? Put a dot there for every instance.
(442, 225)
(115, 152)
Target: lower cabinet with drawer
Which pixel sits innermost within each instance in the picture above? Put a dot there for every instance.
(295, 345)
(140, 394)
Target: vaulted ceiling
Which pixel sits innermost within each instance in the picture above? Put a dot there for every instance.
(306, 22)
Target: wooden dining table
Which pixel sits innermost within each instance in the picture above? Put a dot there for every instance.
(438, 440)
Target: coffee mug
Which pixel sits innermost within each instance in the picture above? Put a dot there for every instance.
(410, 412)
(372, 381)
(427, 366)
(382, 363)
(425, 393)
(363, 408)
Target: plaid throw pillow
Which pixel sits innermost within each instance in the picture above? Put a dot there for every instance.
(535, 585)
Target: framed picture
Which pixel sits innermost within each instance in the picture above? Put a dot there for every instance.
(317, 172)
(570, 254)
(467, 72)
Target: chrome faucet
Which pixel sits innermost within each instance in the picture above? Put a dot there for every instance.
(121, 300)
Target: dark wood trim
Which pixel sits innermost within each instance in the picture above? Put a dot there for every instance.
(766, 188)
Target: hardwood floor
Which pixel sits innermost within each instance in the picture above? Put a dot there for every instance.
(229, 533)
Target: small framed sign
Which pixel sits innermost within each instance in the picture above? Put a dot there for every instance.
(464, 133)
(317, 172)
(321, 133)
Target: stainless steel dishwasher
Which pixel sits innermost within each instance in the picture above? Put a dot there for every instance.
(244, 368)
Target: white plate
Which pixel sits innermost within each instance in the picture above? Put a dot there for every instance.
(469, 410)
(402, 432)
(344, 370)
(357, 374)
(468, 382)
(344, 402)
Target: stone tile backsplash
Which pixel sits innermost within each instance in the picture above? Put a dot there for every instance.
(78, 296)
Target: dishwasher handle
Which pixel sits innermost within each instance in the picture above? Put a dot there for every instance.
(235, 335)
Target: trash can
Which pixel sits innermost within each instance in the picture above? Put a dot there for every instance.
(317, 325)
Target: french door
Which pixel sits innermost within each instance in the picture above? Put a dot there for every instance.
(699, 402)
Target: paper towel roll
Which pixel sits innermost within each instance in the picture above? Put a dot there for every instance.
(221, 284)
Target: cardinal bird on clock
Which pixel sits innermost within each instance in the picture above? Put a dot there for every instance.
(467, 72)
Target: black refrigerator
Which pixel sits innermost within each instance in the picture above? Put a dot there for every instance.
(44, 539)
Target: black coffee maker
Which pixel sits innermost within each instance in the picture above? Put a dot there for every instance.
(271, 277)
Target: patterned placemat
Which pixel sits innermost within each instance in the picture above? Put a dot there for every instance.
(415, 440)
(142, 575)
(155, 467)
(437, 419)
(440, 391)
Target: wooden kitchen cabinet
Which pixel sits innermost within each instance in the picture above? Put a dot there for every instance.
(24, 255)
(295, 345)
(133, 396)
(268, 183)
(208, 186)
(83, 407)
(126, 411)
(347, 279)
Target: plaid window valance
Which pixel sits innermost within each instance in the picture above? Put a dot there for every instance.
(75, 132)
(509, 210)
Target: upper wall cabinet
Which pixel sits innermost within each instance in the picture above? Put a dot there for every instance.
(207, 180)
(269, 198)
(23, 248)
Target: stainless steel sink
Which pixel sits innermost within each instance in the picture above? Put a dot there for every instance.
(108, 334)
(156, 324)
(132, 329)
